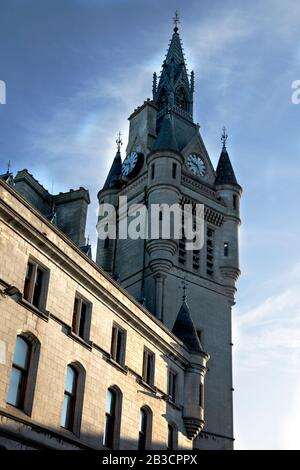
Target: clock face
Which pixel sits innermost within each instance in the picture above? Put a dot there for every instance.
(196, 165)
(129, 163)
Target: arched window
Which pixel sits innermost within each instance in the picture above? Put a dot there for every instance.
(73, 398)
(145, 431)
(111, 435)
(23, 372)
(19, 373)
(172, 437)
(180, 99)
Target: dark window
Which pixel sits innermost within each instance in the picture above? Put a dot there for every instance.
(235, 201)
(69, 403)
(148, 367)
(110, 419)
(143, 429)
(172, 385)
(201, 395)
(118, 344)
(35, 285)
(210, 252)
(174, 170)
(172, 437)
(19, 373)
(81, 318)
(152, 171)
(226, 249)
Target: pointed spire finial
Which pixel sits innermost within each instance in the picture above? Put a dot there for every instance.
(8, 166)
(119, 142)
(88, 239)
(176, 21)
(224, 137)
(184, 288)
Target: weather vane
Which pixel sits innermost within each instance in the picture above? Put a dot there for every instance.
(176, 20)
(119, 142)
(224, 137)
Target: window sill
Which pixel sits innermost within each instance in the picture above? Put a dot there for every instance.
(118, 366)
(152, 388)
(44, 314)
(17, 412)
(80, 340)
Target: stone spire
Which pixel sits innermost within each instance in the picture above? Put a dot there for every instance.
(174, 90)
(113, 178)
(225, 173)
(185, 330)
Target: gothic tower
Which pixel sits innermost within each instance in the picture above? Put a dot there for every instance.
(167, 162)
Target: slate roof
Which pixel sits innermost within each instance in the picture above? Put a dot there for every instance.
(113, 178)
(225, 173)
(185, 330)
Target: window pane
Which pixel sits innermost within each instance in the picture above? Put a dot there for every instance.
(66, 416)
(108, 432)
(143, 421)
(29, 274)
(75, 315)
(82, 322)
(119, 347)
(170, 437)
(38, 288)
(21, 354)
(15, 388)
(110, 402)
(71, 380)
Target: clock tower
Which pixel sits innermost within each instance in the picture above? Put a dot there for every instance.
(166, 163)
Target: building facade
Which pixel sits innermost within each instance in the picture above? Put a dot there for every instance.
(110, 354)
(167, 163)
(82, 364)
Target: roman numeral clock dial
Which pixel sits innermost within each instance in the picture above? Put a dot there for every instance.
(196, 165)
(132, 164)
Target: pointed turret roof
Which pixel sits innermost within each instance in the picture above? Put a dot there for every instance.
(225, 173)
(113, 178)
(166, 139)
(185, 330)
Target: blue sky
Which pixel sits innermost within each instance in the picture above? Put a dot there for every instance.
(76, 69)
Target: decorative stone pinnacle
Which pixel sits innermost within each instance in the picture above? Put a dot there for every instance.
(119, 142)
(8, 166)
(224, 137)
